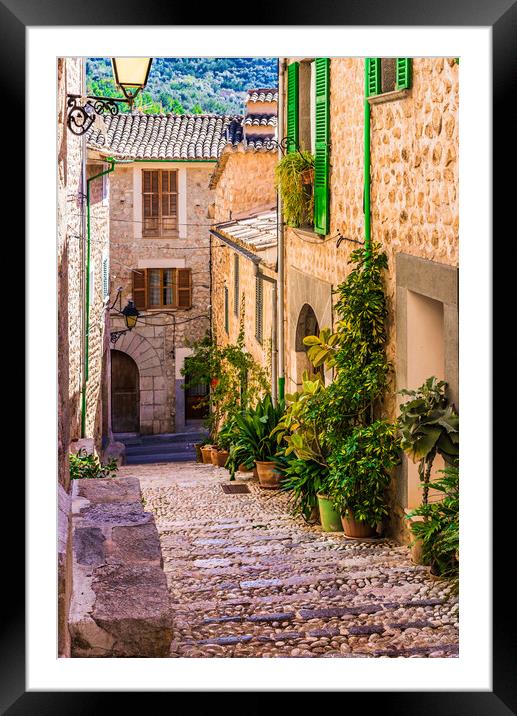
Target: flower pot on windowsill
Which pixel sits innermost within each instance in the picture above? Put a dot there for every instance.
(357, 528)
(269, 477)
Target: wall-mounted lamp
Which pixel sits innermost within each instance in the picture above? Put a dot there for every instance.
(131, 314)
(131, 74)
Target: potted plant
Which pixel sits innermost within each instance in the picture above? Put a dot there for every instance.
(360, 475)
(255, 427)
(438, 529)
(303, 479)
(293, 179)
(429, 426)
(303, 429)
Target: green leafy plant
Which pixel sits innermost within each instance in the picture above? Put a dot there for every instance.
(302, 426)
(255, 426)
(360, 471)
(438, 531)
(297, 196)
(236, 379)
(429, 425)
(303, 479)
(85, 465)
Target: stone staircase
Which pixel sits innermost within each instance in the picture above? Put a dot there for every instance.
(167, 447)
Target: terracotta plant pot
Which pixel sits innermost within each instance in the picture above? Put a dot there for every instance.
(356, 528)
(329, 516)
(269, 478)
(242, 468)
(222, 457)
(213, 456)
(199, 454)
(416, 552)
(206, 452)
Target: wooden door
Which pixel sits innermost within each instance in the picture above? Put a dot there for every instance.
(125, 394)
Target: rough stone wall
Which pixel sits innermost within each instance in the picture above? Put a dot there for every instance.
(152, 345)
(99, 247)
(223, 275)
(414, 184)
(68, 290)
(246, 183)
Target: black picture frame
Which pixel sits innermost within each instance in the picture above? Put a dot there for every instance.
(501, 16)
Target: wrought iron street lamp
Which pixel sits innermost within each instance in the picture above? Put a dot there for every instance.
(131, 314)
(131, 74)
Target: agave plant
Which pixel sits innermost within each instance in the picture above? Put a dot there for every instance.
(429, 425)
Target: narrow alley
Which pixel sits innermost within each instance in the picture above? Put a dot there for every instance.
(246, 579)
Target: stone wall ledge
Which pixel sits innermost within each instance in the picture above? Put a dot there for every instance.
(120, 601)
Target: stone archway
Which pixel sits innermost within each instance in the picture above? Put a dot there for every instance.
(304, 290)
(152, 388)
(307, 325)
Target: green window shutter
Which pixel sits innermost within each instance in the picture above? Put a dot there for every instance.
(321, 159)
(292, 106)
(373, 76)
(226, 322)
(403, 73)
(259, 302)
(236, 284)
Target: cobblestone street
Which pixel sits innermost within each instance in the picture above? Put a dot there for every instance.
(248, 580)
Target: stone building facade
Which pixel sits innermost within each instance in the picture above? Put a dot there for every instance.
(160, 206)
(82, 334)
(414, 217)
(244, 236)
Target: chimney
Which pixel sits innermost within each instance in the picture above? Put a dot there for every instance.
(261, 114)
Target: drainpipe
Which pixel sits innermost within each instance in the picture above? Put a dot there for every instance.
(280, 233)
(87, 296)
(274, 324)
(366, 162)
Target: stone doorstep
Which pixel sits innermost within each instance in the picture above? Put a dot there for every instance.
(120, 602)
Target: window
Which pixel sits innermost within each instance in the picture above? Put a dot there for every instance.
(162, 288)
(308, 126)
(387, 74)
(226, 318)
(236, 284)
(259, 303)
(160, 202)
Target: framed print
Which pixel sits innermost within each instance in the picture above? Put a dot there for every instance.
(202, 293)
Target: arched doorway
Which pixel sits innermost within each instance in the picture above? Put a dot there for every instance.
(125, 394)
(307, 326)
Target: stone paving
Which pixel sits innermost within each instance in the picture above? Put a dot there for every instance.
(246, 579)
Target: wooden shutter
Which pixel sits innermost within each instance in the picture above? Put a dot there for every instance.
(105, 276)
(321, 160)
(292, 106)
(236, 284)
(403, 73)
(184, 284)
(373, 76)
(226, 317)
(150, 202)
(259, 302)
(140, 288)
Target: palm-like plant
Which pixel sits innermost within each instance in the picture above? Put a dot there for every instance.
(429, 426)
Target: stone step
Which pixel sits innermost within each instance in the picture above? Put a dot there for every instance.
(159, 457)
(160, 449)
(185, 437)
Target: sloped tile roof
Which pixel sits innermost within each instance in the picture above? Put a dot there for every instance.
(167, 136)
(267, 94)
(261, 120)
(260, 141)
